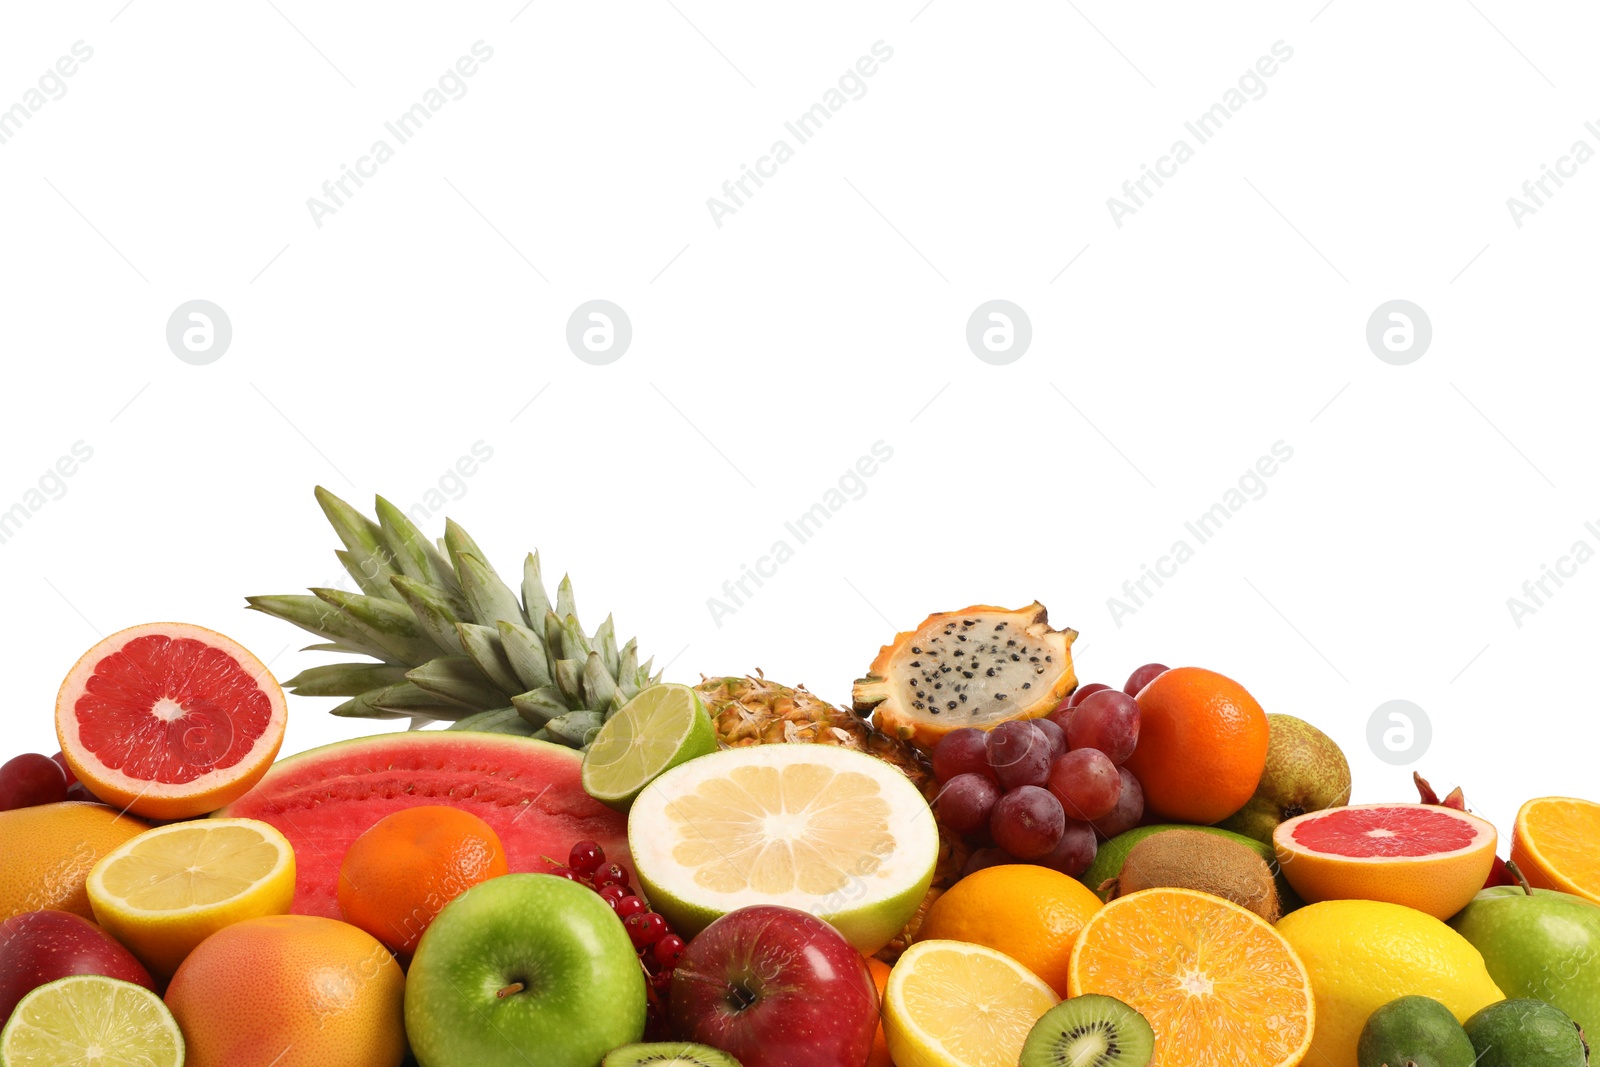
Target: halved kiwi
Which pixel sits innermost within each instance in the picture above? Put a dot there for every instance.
(1089, 1031)
(668, 1054)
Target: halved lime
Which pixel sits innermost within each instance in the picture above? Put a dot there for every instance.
(89, 1019)
(840, 834)
(655, 731)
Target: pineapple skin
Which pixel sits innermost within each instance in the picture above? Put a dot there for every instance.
(751, 710)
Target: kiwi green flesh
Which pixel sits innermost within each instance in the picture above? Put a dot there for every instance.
(668, 1054)
(1089, 1031)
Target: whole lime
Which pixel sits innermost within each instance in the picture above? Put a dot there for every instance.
(1417, 1031)
(1522, 1032)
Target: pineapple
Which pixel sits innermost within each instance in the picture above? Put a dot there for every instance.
(755, 711)
(451, 641)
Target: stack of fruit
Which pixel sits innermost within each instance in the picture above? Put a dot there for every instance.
(1161, 875)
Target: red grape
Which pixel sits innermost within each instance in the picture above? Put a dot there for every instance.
(1062, 717)
(1143, 677)
(963, 751)
(61, 761)
(1075, 851)
(29, 780)
(1019, 754)
(1108, 721)
(1084, 691)
(1028, 822)
(986, 857)
(586, 857)
(965, 801)
(1129, 810)
(1055, 734)
(1086, 783)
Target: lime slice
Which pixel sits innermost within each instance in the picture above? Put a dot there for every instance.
(836, 833)
(89, 1019)
(655, 731)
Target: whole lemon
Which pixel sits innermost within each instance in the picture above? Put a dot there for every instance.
(1361, 954)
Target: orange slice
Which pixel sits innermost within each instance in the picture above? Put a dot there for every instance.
(1554, 845)
(1218, 985)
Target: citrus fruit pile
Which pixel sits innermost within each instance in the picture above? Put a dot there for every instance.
(981, 863)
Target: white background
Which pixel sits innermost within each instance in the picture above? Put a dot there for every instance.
(829, 313)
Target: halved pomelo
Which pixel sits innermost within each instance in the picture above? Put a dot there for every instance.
(530, 792)
(1430, 858)
(839, 834)
(169, 720)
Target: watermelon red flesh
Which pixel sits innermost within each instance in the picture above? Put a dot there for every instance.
(1408, 830)
(529, 791)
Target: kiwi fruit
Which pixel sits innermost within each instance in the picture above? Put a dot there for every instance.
(1208, 863)
(1089, 1031)
(668, 1054)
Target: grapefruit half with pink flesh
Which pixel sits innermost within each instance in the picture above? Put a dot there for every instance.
(530, 792)
(169, 720)
(1430, 858)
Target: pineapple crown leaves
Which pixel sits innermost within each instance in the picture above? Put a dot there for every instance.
(450, 638)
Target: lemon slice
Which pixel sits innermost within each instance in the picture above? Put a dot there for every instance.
(836, 833)
(91, 1019)
(170, 888)
(655, 731)
(953, 1004)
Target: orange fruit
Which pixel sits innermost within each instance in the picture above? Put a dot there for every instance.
(1219, 986)
(49, 851)
(401, 873)
(879, 1056)
(169, 720)
(1202, 746)
(1421, 856)
(1553, 843)
(290, 991)
(1032, 914)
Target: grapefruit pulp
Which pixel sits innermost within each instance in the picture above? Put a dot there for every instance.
(1430, 858)
(169, 720)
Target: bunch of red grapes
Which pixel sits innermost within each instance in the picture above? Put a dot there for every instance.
(1046, 791)
(658, 947)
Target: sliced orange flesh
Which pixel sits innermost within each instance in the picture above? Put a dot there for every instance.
(1554, 845)
(1219, 986)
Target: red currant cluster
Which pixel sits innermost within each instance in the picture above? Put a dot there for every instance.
(658, 947)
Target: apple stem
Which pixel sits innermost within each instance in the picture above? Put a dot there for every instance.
(1522, 879)
(510, 990)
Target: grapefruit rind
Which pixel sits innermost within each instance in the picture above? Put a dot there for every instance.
(158, 800)
(1142, 990)
(1566, 860)
(1436, 883)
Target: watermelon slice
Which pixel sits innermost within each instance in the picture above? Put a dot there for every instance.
(529, 791)
(1433, 859)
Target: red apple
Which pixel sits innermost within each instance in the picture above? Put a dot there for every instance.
(40, 946)
(775, 987)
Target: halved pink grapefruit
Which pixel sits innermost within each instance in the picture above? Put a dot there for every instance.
(169, 720)
(1433, 859)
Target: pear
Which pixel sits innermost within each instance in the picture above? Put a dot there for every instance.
(1305, 771)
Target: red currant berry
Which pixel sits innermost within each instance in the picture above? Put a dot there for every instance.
(612, 895)
(611, 874)
(669, 950)
(630, 905)
(587, 857)
(566, 872)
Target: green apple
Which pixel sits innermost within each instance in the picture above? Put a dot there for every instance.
(1545, 946)
(524, 968)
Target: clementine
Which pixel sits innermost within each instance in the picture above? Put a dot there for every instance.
(1202, 746)
(401, 873)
